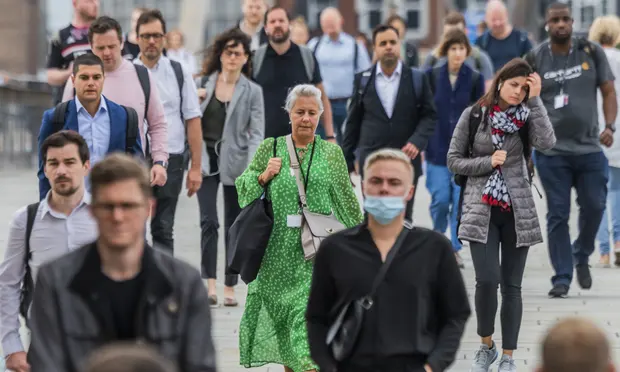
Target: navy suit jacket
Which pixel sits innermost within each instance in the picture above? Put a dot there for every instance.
(118, 131)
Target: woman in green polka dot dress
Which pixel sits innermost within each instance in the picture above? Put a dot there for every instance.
(273, 327)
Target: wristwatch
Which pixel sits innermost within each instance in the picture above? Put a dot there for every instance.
(162, 163)
(611, 127)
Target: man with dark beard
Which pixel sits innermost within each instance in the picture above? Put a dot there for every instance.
(572, 71)
(392, 106)
(40, 232)
(279, 66)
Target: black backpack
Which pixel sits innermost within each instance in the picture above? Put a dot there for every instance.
(131, 134)
(25, 298)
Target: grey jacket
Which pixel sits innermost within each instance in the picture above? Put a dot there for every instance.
(475, 213)
(71, 317)
(244, 129)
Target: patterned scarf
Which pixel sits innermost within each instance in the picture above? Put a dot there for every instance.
(502, 122)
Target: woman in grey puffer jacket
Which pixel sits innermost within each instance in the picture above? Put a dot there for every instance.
(497, 203)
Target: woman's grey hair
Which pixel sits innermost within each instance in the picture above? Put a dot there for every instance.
(303, 90)
(388, 154)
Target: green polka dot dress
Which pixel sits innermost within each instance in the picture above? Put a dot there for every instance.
(273, 326)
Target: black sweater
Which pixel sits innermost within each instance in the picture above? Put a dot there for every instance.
(420, 309)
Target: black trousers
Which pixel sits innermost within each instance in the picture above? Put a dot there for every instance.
(378, 364)
(167, 197)
(209, 225)
(490, 273)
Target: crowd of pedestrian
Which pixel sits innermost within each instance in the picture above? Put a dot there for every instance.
(284, 122)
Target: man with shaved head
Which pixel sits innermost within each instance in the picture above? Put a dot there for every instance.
(340, 57)
(252, 22)
(502, 42)
(576, 345)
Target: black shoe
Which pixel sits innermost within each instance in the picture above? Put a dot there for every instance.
(559, 291)
(584, 278)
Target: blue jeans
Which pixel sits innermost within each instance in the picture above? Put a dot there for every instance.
(613, 204)
(445, 196)
(559, 174)
(339, 114)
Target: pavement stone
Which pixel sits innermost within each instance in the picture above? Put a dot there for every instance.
(601, 304)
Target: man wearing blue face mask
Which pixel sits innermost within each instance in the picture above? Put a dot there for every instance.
(415, 319)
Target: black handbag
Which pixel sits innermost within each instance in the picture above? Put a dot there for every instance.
(249, 235)
(343, 334)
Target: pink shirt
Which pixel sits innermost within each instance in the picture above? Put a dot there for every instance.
(123, 87)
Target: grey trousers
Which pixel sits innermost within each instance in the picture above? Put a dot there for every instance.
(490, 273)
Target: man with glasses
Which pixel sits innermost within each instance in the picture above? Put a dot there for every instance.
(118, 288)
(178, 92)
(43, 231)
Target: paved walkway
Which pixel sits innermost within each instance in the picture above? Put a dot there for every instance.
(600, 304)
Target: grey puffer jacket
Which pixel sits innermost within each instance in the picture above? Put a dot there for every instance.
(475, 213)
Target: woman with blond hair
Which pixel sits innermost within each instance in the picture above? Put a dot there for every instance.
(606, 32)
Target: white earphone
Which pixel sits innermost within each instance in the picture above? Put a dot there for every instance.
(547, 28)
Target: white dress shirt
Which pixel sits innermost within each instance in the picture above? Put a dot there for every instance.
(387, 87)
(168, 88)
(53, 235)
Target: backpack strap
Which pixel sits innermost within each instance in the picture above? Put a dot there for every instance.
(475, 76)
(475, 118)
(145, 83)
(530, 58)
(178, 73)
(28, 282)
(484, 40)
(257, 60)
(308, 59)
(417, 77)
(58, 121)
(364, 80)
(318, 43)
(524, 135)
(355, 55)
(132, 130)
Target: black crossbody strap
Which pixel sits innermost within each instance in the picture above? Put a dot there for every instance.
(388, 262)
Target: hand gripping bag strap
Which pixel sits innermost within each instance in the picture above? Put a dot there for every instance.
(315, 226)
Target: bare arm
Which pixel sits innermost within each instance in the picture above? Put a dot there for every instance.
(58, 77)
(610, 104)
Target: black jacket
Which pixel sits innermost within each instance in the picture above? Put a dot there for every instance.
(69, 318)
(419, 310)
(368, 127)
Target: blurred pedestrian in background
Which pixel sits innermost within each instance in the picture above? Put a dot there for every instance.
(300, 34)
(233, 126)
(606, 32)
(175, 48)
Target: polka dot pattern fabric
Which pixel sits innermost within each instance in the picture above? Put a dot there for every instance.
(273, 327)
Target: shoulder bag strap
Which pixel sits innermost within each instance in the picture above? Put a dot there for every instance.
(296, 169)
(388, 262)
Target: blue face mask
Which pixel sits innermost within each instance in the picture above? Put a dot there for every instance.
(384, 209)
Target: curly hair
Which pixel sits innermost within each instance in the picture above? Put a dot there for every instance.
(212, 62)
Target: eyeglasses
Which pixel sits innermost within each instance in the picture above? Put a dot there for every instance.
(156, 37)
(232, 53)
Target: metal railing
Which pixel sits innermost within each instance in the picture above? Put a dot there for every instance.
(22, 103)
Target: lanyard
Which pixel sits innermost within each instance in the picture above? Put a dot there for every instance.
(305, 177)
(562, 82)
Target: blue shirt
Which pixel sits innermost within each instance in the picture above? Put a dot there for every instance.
(95, 130)
(337, 63)
(516, 45)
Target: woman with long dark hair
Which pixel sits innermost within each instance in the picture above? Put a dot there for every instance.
(488, 153)
(233, 126)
